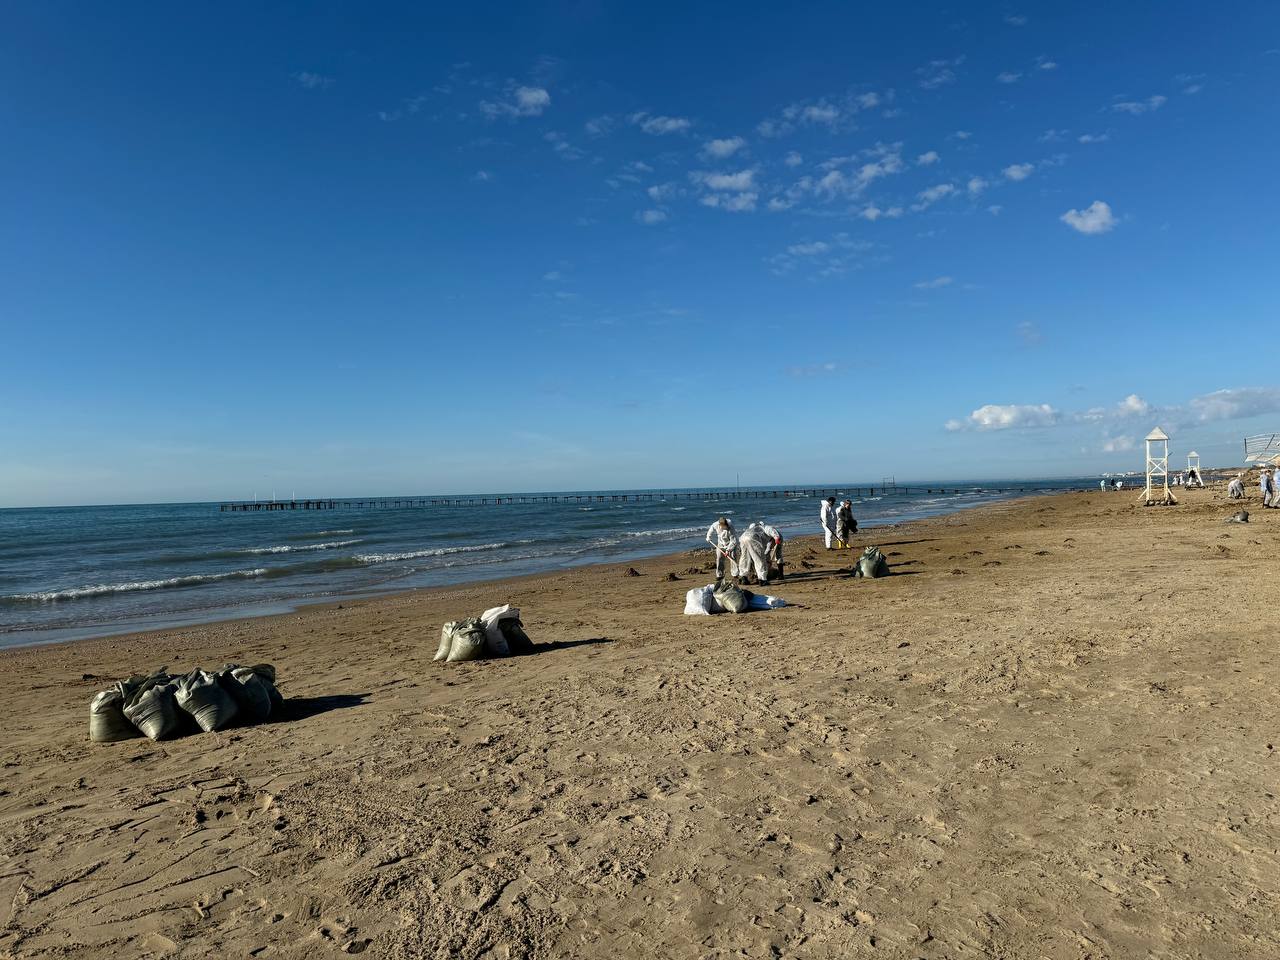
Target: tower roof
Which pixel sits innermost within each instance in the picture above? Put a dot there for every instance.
(1157, 434)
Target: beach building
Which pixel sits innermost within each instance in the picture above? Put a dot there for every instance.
(1157, 490)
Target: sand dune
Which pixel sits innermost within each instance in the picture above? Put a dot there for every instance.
(1051, 734)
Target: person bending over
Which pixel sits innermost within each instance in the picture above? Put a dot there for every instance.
(724, 541)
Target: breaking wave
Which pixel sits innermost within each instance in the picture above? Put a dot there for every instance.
(331, 545)
(438, 552)
(132, 586)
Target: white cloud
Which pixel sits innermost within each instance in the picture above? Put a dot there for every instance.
(962, 135)
(994, 416)
(733, 202)
(1136, 107)
(1093, 219)
(976, 185)
(552, 276)
(777, 204)
(1093, 138)
(1237, 403)
(1008, 77)
(520, 102)
(742, 180)
(482, 176)
(793, 159)
(868, 101)
(651, 217)
(926, 198)
(928, 159)
(1018, 171)
(1052, 136)
(1047, 64)
(599, 126)
(938, 73)
(661, 191)
(808, 249)
(814, 370)
(1119, 445)
(312, 81)
(873, 213)
(563, 148)
(719, 149)
(1015, 20)
(823, 113)
(935, 284)
(1133, 406)
(1029, 333)
(994, 209)
(659, 126)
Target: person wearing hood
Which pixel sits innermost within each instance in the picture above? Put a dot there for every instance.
(1266, 486)
(827, 515)
(846, 526)
(724, 540)
(1235, 489)
(759, 549)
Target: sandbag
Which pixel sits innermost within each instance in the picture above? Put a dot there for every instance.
(492, 620)
(731, 597)
(699, 601)
(107, 722)
(203, 697)
(154, 711)
(466, 640)
(871, 564)
(249, 689)
(518, 641)
(760, 601)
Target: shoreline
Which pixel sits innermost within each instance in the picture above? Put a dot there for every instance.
(1071, 682)
(194, 619)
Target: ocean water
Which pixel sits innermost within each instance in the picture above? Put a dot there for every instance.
(71, 572)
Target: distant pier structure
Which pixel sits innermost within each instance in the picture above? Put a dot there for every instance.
(399, 503)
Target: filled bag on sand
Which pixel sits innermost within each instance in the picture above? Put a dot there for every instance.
(249, 689)
(760, 601)
(731, 597)
(154, 711)
(518, 641)
(107, 722)
(492, 620)
(871, 564)
(467, 640)
(700, 601)
(203, 697)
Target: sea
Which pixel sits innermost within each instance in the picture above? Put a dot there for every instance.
(75, 572)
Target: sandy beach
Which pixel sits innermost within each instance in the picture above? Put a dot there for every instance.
(1050, 734)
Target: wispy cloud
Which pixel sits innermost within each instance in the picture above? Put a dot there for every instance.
(1018, 171)
(1008, 76)
(1136, 107)
(1044, 63)
(519, 102)
(832, 112)
(651, 217)
(938, 73)
(1235, 404)
(312, 81)
(873, 213)
(742, 180)
(926, 198)
(743, 202)
(976, 185)
(936, 283)
(1093, 138)
(1015, 20)
(482, 176)
(720, 149)
(793, 159)
(563, 148)
(661, 125)
(824, 258)
(1093, 219)
(928, 159)
(813, 370)
(1029, 333)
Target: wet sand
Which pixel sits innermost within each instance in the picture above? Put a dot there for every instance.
(1051, 733)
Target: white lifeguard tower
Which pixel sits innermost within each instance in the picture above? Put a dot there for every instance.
(1157, 490)
(1193, 471)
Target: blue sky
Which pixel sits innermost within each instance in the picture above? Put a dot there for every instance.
(351, 248)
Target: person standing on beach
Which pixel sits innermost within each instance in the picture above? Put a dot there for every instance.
(1265, 486)
(724, 541)
(827, 515)
(846, 526)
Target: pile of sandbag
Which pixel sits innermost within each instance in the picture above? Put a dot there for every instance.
(497, 632)
(160, 706)
(724, 596)
(871, 564)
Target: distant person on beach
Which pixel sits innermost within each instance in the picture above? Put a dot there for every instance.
(846, 526)
(1266, 486)
(1235, 489)
(724, 540)
(828, 517)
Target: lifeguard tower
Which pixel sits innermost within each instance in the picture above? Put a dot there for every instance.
(1193, 470)
(1157, 490)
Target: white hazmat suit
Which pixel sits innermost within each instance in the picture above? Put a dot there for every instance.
(724, 541)
(758, 548)
(1235, 489)
(828, 517)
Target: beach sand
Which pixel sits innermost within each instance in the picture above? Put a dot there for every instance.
(1050, 734)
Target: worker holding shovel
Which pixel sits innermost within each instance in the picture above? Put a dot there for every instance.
(724, 541)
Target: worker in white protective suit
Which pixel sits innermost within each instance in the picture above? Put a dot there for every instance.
(1265, 486)
(724, 541)
(828, 517)
(759, 550)
(1235, 489)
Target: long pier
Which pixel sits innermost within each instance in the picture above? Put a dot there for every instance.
(400, 503)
